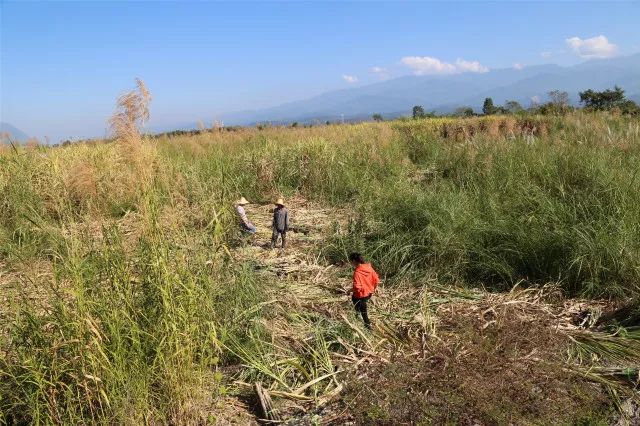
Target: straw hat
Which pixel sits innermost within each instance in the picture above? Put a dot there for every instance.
(242, 201)
(280, 202)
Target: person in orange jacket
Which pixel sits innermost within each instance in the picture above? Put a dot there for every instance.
(365, 281)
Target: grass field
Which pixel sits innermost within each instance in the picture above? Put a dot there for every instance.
(509, 247)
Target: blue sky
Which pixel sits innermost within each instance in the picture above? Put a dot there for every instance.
(64, 63)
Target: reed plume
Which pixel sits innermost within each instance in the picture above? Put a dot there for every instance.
(132, 110)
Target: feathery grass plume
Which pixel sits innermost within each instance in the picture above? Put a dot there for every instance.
(132, 110)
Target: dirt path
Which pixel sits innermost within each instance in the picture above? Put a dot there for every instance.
(512, 343)
(301, 284)
(300, 279)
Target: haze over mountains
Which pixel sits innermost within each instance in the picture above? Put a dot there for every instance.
(444, 93)
(440, 93)
(9, 132)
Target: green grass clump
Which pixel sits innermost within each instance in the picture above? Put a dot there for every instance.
(556, 208)
(122, 334)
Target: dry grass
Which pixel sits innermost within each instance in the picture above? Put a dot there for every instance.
(81, 182)
(32, 143)
(132, 110)
(437, 354)
(499, 360)
(137, 158)
(494, 127)
(285, 318)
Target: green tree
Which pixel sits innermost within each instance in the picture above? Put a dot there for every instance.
(487, 107)
(464, 112)
(606, 100)
(377, 117)
(629, 107)
(513, 107)
(418, 112)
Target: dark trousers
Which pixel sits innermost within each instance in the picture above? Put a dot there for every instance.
(274, 237)
(360, 303)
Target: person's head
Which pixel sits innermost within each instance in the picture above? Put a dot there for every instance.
(242, 201)
(356, 259)
(280, 202)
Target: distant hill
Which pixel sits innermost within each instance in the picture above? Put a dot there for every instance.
(445, 93)
(14, 133)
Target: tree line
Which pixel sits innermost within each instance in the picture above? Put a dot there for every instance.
(558, 103)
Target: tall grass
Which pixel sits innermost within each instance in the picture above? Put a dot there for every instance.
(508, 203)
(138, 300)
(122, 334)
(495, 210)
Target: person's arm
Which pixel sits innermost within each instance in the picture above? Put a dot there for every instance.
(286, 220)
(357, 285)
(243, 217)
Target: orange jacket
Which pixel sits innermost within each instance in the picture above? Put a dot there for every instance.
(365, 280)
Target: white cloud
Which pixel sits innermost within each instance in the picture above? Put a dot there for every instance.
(546, 54)
(426, 65)
(594, 47)
(351, 79)
(382, 73)
(470, 66)
(518, 66)
(535, 99)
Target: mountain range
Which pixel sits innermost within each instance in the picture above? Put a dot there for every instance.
(9, 132)
(445, 93)
(442, 94)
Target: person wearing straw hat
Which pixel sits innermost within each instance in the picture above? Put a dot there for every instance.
(280, 223)
(245, 223)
